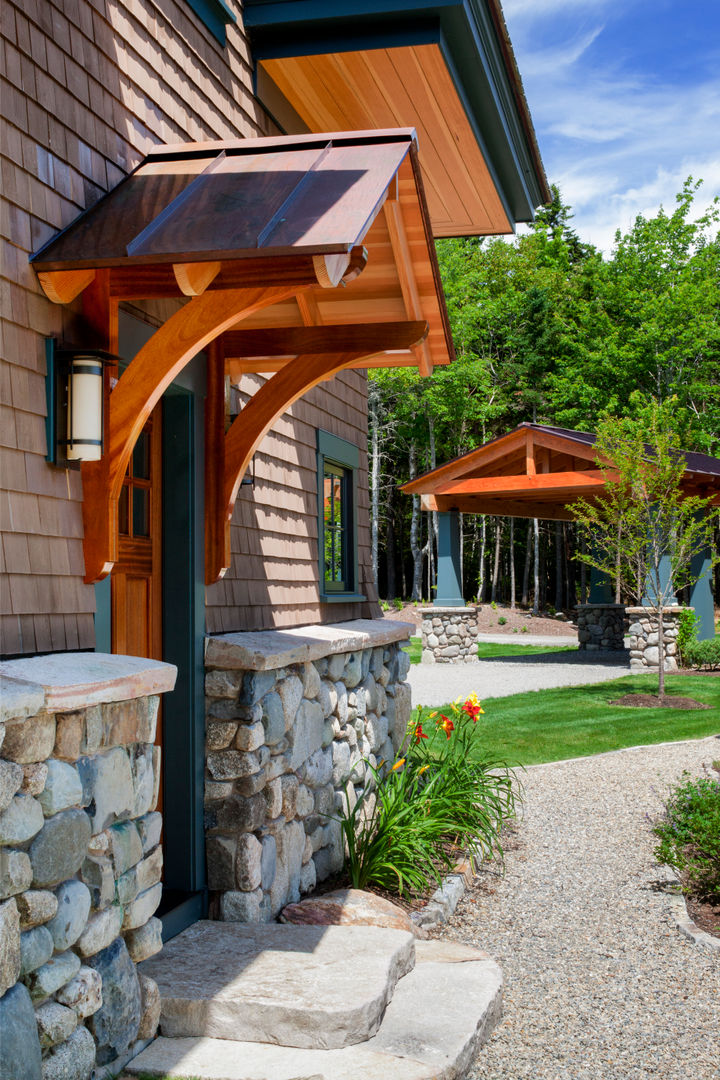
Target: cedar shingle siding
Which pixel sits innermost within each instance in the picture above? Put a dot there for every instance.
(87, 89)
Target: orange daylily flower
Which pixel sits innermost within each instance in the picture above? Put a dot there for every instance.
(419, 733)
(398, 765)
(447, 725)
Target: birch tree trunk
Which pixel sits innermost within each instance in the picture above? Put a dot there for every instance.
(512, 564)
(558, 566)
(433, 539)
(496, 562)
(481, 574)
(526, 569)
(536, 566)
(415, 530)
(390, 543)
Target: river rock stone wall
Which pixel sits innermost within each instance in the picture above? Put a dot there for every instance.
(601, 626)
(449, 635)
(644, 652)
(286, 743)
(80, 866)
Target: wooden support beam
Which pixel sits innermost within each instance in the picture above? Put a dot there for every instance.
(62, 286)
(474, 504)
(284, 388)
(217, 527)
(482, 457)
(288, 341)
(530, 453)
(564, 445)
(308, 308)
(236, 368)
(570, 483)
(406, 275)
(194, 278)
(137, 392)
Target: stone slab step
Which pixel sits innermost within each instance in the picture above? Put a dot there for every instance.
(301, 986)
(439, 1016)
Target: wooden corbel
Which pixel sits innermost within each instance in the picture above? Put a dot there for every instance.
(336, 348)
(137, 392)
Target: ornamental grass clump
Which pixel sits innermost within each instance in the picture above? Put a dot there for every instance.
(689, 836)
(439, 799)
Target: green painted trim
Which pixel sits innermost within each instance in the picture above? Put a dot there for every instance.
(103, 616)
(50, 401)
(188, 911)
(215, 14)
(346, 454)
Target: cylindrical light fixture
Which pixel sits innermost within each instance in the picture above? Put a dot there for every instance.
(85, 407)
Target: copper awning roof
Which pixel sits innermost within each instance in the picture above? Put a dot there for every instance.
(535, 471)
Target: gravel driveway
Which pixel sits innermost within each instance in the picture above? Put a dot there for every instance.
(600, 984)
(436, 684)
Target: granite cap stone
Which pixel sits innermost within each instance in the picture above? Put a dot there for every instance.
(75, 680)
(270, 649)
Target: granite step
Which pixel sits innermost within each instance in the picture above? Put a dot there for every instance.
(296, 986)
(440, 1015)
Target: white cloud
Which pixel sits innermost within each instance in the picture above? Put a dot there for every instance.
(552, 60)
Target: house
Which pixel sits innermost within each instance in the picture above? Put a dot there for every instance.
(215, 217)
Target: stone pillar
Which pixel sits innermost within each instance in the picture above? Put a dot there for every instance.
(449, 635)
(601, 626)
(644, 652)
(449, 577)
(296, 722)
(80, 861)
(701, 597)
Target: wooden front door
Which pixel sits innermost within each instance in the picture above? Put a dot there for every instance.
(137, 575)
(136, 581)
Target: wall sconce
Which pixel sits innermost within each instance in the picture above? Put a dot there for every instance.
(75, 394)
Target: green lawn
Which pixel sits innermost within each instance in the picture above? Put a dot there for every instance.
(488, 651)
(549, 725)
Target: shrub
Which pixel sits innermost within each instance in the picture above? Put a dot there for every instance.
(703, 654)
(689, 836)
(502, 620)
(438, 799)
(384, 605)
(398, 604)
(493, 605)
(687, 632)
(523, 629)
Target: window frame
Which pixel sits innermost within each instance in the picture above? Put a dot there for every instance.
(345, 456)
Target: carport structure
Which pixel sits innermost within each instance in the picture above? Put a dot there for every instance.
(537, 471)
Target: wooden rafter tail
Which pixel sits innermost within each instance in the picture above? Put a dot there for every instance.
(137, 392)
(406, 274)
(63, 286)
(194, 278)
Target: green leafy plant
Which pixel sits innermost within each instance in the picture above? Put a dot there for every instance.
(689, 836)
(493, 605)
(439, 798)
(523, 629)
(502, 620)
(398, 604)
(688, 623)
(551, 611)
(384, 605)
(703, 654)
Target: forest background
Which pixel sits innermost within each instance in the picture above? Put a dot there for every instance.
(547, 329)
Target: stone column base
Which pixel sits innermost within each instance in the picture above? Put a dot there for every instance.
(449, 635)
(601, 626)
(644, 638)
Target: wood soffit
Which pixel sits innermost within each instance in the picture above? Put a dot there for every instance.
(533, 472)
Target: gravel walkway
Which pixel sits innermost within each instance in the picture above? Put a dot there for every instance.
(436, 684)
(600, 985)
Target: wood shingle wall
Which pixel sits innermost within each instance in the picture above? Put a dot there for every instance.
(87, 87)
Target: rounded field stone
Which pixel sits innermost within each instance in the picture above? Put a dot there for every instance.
(36, 948)
(62, 790)
(21, 1054)
(115, 1024)
(21, 820)
(72, 914)
(73, 1059)
(58, 850)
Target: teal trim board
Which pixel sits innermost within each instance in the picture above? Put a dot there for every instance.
(475, 56)
(215, 14)
(332, 448)
(449, 578)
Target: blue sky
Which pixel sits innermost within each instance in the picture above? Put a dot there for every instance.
(625, 97)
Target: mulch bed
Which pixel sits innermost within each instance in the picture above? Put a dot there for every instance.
(705, 915)
(651, 701)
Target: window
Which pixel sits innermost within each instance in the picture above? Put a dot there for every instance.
(338, 461)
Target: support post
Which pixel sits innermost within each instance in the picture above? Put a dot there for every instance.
(701, 597)
(449, 581)
(600, 587)
(664, 573)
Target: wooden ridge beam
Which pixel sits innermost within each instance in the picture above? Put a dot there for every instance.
(137, 392)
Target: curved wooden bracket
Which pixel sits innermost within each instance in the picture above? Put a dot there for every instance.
(266, 407)
(139, 389)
